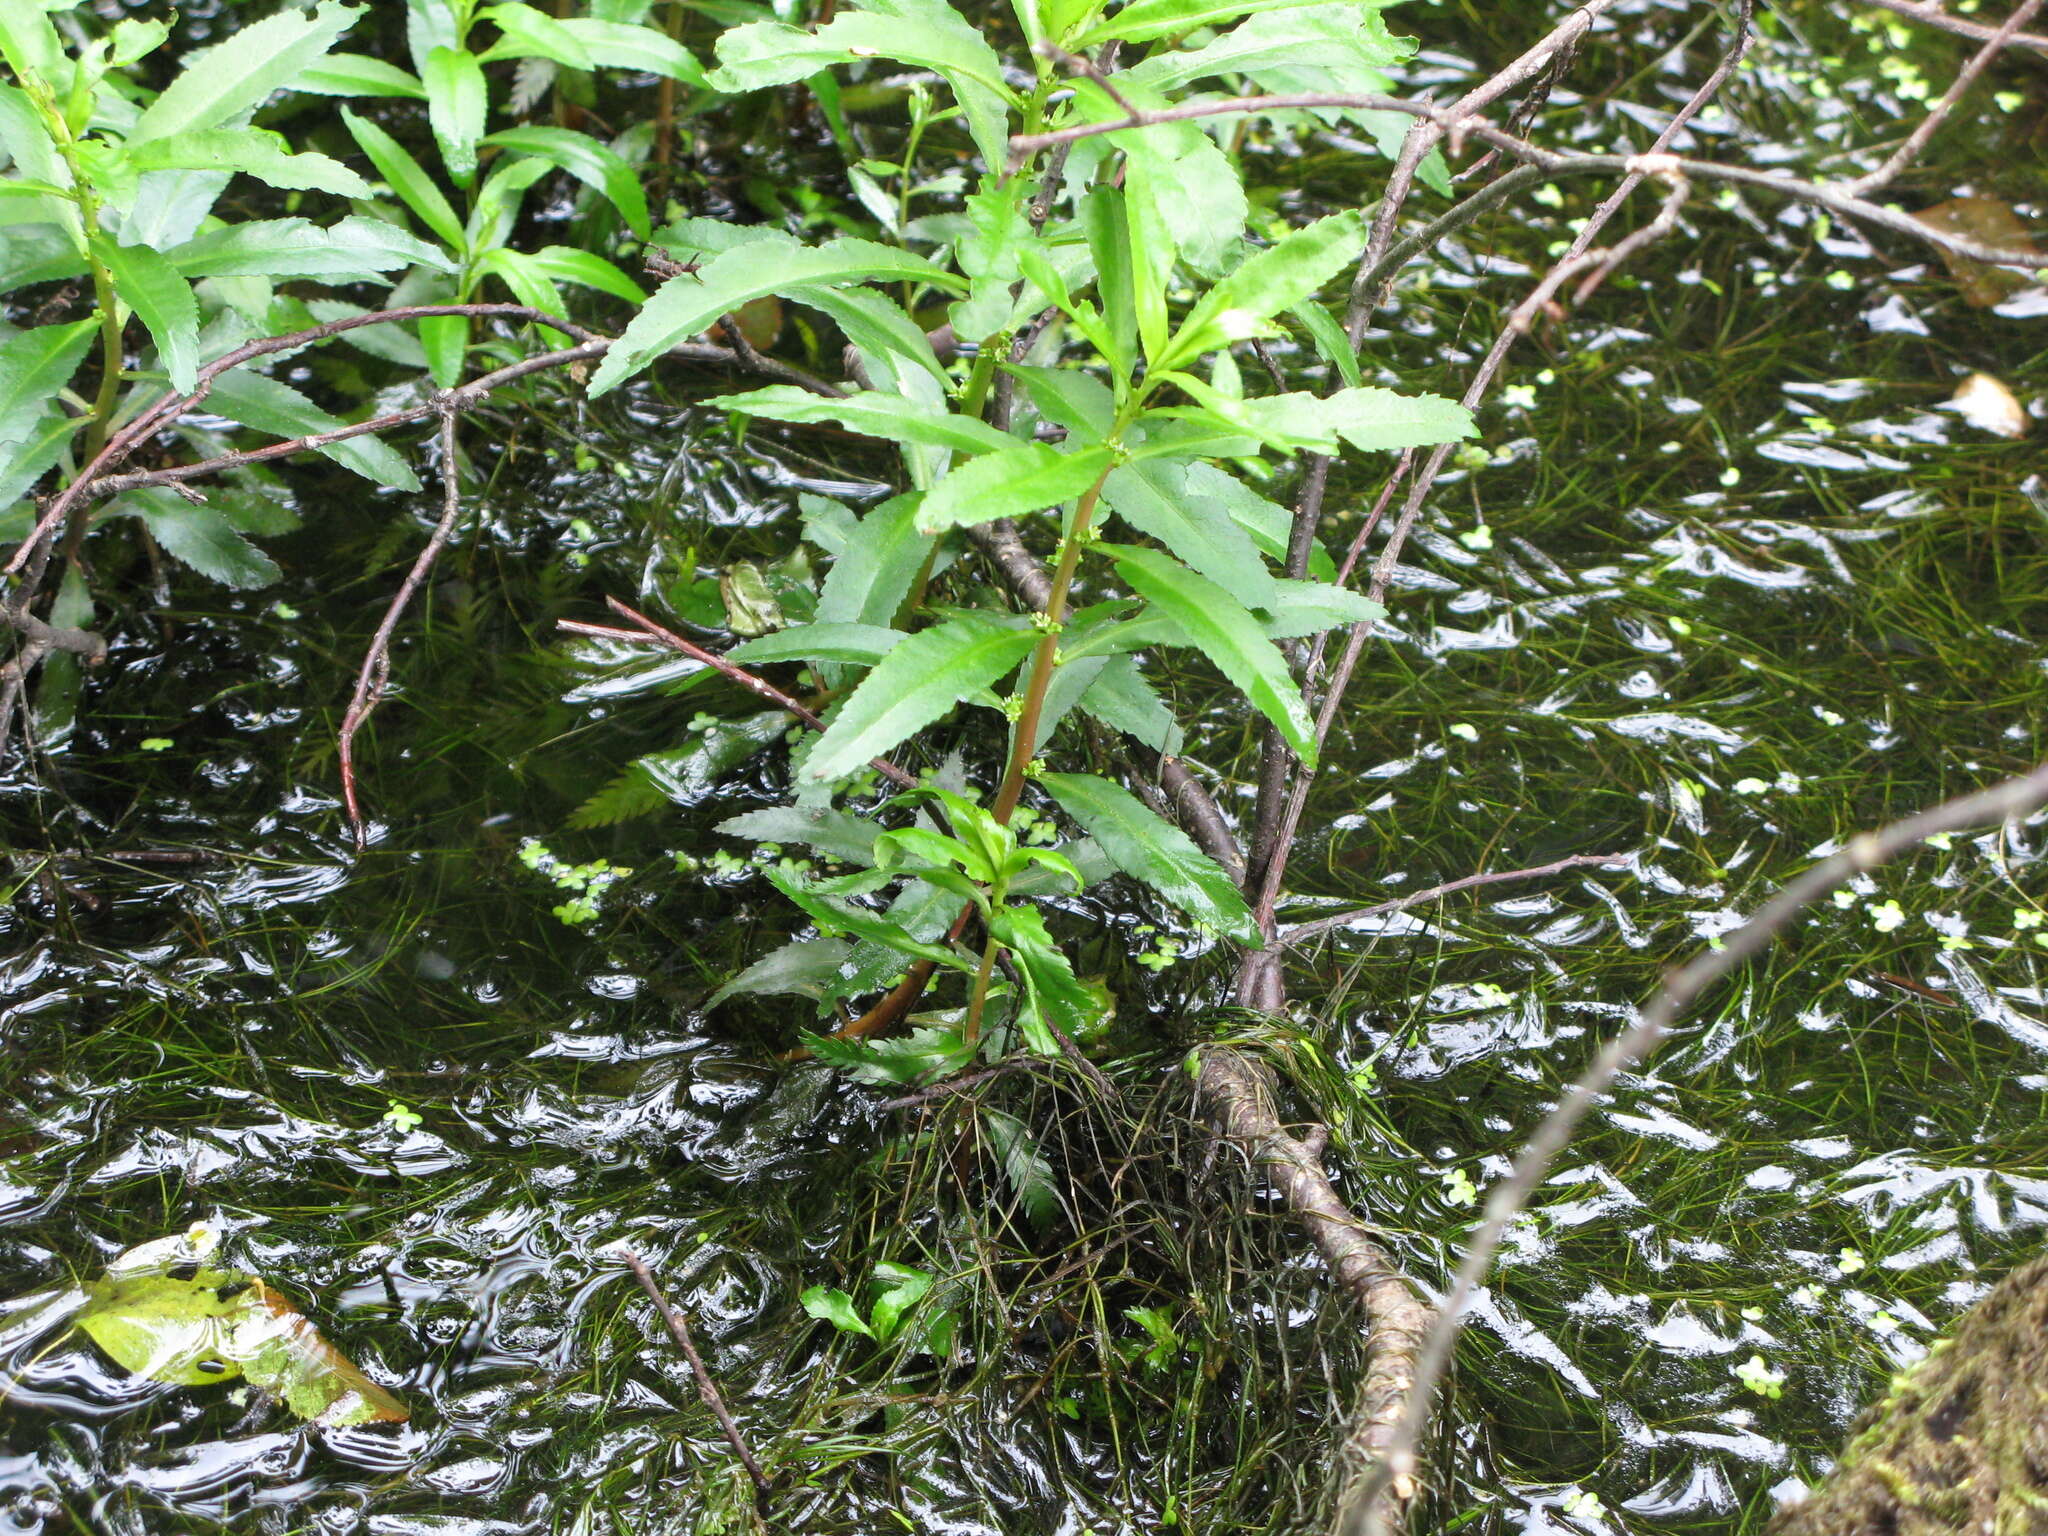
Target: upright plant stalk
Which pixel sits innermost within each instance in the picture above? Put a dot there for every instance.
(1044, 662)
(81, 194)
(1045, 658)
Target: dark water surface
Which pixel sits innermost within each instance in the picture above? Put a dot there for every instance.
(1743, 586)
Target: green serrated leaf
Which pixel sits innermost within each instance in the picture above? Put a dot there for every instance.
(151, 287)
(1218, 626)
(590, 162)
(1241, 305)
(34, 365)
(1025, 1167)
(1014, 481)
(860, 922)
(1154, 851)
(457, 101)
(273, 406)
(281, 248)
(802, 968)
(355, 74)
(220, 83)
(917, 682)
(833, 833)
(254, 152)
(1143, 20)
(687, 304)
(872, 575)
(1309, 607)
(620, 45)
(1055, 998)
(408, 178)
(200, 536)
(859, 644)
(629, 796)
(889, 417)
(1153, 498)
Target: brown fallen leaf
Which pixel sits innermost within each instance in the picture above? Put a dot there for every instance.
(1987, 221)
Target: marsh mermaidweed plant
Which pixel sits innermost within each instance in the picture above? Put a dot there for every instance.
(1098, 298)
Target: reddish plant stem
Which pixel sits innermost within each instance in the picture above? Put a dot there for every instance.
(375, 674)
(1043, 658)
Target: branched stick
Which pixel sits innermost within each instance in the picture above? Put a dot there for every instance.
(1930, 14)
(1658, 162)
(707, 1389)
(1369, 1515)
(97, 480)
(1966, 77)
(1302, 932)
(375, 674)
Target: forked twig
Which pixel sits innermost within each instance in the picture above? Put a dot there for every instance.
(707, 1389)
(1930, 14)
(375, 674)
(1966, 77)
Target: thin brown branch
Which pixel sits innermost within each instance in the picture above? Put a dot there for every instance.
(375, 674)
(145, 425)
(1238, 1093)
(1443, 119)
(1302, 932)
(1369, 1513)
(1930, 14)
(707, 1389)
(1458, 120)
(1917, 140)
(97, 481)
(1263, 976)
(648, 629)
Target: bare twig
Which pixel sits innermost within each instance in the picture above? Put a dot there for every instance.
(1966, 77)
(375, 673)
(950, 1087)
(97, 481)
(1302, 932)
(648, 629)
(123, 443)
(2001, 803)
(707, 1389)
(1930, 14)
(1260, 974)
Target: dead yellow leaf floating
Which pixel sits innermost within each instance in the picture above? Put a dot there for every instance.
(1985, 403)
(1990, 222)
(161, 1312)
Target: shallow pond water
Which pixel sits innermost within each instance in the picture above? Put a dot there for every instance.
(1732, 585)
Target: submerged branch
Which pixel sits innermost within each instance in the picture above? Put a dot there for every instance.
(1238, 1093)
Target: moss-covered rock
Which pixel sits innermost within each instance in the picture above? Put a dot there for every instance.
(1959, 1446)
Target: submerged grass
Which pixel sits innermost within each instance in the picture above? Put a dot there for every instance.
(1817, 608)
